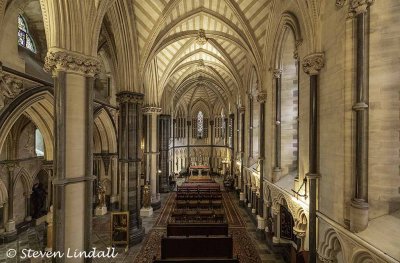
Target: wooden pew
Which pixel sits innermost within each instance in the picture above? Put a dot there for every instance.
(197, 247)
(197, 229)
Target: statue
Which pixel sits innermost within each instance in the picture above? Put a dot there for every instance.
(101, 194)
(146, 195)
(101, 208)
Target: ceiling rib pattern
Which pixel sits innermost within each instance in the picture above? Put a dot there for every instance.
(202, 49)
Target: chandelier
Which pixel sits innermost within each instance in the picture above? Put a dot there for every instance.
(201, 38)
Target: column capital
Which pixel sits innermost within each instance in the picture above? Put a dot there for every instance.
(360, 6)
(313, 63)
(261, 97)
(242, 109)
(151, 110)
(277, 73)
(129, 97)
(65, 60)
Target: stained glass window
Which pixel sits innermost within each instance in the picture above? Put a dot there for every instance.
(39, 144)
(200, 118)
(24, 38)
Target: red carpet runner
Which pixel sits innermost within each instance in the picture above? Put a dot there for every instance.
(243, 245)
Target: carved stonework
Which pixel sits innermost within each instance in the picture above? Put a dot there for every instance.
(242, 109)
(277, 73)
(10, 87)
(130, 97)
(151, 110)
(201, 38)
(325, 260)
(71, 61)
(313, 63)
(340, 3)
(262, 97)
(360, 6)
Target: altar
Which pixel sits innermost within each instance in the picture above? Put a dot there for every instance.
(198, 170)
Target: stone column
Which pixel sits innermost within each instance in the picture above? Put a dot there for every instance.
(28, 216)
(276, 173)
(48, 167)
(232, 119)
(151, 153)
(261, 98)
(163, 143)
(174, 162)
(114, 199)
(312, 64)
(242, 139)
(130, 158)
(359, 204)
(212, 146)
(189, 123)
(73, 75)
(10, 225)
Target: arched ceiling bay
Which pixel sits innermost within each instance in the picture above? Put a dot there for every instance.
(211, 40)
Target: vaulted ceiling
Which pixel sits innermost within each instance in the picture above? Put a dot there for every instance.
(202, 49)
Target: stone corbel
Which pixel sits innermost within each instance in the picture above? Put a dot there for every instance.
(313, 63)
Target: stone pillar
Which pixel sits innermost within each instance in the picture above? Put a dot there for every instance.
(359, 204)
(28, 216)
(10, 225)
(212, 146)
(130, 158)
(242, 140)
(164, 128)
(73, 75)
(151, 153)
(261, 98)
(232, 119)
(189, 123)
(48, 167)
(276, 173)
(114, 199)
(312, 64)
(174, 162)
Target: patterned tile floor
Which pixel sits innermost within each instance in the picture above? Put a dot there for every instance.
(33, 238)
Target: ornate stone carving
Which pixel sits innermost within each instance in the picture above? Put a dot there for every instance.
(313, 63)
(360, 6)
(261, 97)
(151, 110)
(201, 38)
(277, 73)
(10, 87)
(70, 61)
(340, 3)
(130, 97)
